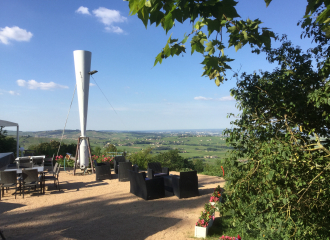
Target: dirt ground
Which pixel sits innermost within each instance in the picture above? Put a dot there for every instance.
(89, 209)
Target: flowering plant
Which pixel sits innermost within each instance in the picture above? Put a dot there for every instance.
(231, 238)
(206, 216)
(216, 194)
(59, 158)
(102, 158)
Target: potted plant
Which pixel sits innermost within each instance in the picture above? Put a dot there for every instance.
(205, 221)
(216, 196)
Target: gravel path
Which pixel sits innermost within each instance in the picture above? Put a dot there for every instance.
(86, 209)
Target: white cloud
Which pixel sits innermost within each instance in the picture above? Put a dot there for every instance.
(108, 17)
(222, 99)
(33, 84)
(83, 10)
(227, 98)
(13, 93)
(202, 98)
(91, 84)
(114, 29)
(15, 33)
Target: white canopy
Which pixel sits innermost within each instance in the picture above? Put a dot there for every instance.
(4, 123)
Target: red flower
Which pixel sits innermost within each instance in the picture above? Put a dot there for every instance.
(238, 237)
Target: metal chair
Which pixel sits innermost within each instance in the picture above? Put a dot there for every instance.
(7, 180)
(54, 177)
(38, 161)
(30, 179)
(48, 163)
(25, 162)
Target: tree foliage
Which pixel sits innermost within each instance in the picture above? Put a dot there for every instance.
(210, 21)
(7, 144)
(50, 148)
(279, 176)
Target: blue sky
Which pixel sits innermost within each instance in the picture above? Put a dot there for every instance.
(37, 78)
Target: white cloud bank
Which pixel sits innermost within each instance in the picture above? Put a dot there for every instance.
(106, 16)
(83, 10)
(13, 93)
(222, 99)
(15, 33)
(33, 84)
(91, 84)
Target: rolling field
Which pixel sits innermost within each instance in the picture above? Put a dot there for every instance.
(207, 146)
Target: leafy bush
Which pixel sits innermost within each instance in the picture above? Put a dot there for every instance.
(172, 160)
(51, 148)
(141, 158)
(198, 165)
(282, 190)
(7, 144)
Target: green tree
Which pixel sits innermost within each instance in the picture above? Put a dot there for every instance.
(51, 148)
(109, 148)
(280, 188)
(7, 144)
(172, 160)
(97, 151)
(210, 21)
(141, 158)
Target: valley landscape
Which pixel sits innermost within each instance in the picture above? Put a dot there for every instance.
(209, 145)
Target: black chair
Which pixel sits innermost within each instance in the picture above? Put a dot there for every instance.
(146, 188)
(38, 161)
(48, 163)
(123, 171)
(135, 168)
(8, 179)
(185, 185)
(30, 179)
(155, 169)
(54, 177)
(52, 169)
(28, 152)
(116, 162)
(102, 170)
(25, 162)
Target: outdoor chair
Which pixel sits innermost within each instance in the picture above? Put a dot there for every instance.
(146, 188)
(25, 162)
(102, 170)
(38, 161)
(123, 171)
(185, 185)
(116, 162)
(54, 177)
(135, 168)
(30, 179)
(48, 164)
(8, 180)
(28, 152)
(156, 170)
